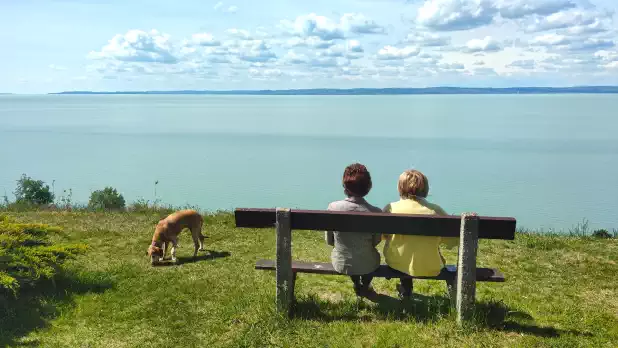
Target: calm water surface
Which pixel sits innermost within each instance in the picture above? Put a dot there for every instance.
(548, 160)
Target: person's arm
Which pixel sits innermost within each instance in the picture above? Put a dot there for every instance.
(449, 242)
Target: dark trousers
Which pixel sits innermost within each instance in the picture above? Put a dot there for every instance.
(406, 283)
(361, 282)
(406, 286)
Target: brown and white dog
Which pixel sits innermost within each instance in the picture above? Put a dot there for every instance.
(167, 232)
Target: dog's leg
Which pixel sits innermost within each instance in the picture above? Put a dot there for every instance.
(197, 246)
(164, 248)
(195, 233)
(202, 242)
(200, 236)
(174, 246)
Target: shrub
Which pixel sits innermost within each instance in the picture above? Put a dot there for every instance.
(601, 234)
(32, 191)
(108, 198)
(27, 256)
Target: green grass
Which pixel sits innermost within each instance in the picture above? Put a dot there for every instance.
(560, 291)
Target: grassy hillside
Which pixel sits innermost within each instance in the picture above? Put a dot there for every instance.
(560, 291)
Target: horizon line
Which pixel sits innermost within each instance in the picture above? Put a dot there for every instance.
(367, 90)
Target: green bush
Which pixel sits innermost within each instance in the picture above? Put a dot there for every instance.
(27, 256)
(108, 198)
(601, 234)
(32, 191)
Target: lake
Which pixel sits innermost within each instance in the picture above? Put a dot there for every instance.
(547, 160)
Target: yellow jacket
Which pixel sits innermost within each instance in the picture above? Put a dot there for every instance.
(415, 255)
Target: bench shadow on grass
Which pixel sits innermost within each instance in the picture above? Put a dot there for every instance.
(421, 308)
(35, 307)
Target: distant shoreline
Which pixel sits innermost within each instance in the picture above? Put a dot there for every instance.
(382, 91)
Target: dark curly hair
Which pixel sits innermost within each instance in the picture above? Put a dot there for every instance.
(356, 180)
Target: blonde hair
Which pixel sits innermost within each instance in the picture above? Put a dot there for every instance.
(413, 183)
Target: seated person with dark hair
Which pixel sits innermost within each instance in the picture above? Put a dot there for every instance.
(355, 254)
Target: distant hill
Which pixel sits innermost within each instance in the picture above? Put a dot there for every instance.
(381, 91)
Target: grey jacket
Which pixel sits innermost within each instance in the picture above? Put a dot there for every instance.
(354, 253)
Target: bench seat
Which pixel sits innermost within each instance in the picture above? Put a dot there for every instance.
(482, 274)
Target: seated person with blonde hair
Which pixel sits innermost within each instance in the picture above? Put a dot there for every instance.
(414, 255)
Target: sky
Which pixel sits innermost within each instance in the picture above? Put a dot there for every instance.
(122, 45)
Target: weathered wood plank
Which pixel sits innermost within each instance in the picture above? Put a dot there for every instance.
(466, 280)
(426, 225)
(482, 274)
(285, 276)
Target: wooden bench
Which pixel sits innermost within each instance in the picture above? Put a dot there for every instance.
(461, 279)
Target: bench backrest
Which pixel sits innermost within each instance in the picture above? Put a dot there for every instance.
(424, 225)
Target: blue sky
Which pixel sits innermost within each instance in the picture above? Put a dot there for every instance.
(58, 45)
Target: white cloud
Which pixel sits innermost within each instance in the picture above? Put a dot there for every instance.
(328, 62)
(488, 44)
(111, 68)
(335, 51)
(352, 49)
(550, 40)
(515, 9)
(312, 42)
(217, 59)
(526, 64)
(325, 28)
(314, 25)
(484, 71)
(350, 71)
(607, 56)
(355, 46)
(239, 34)
(265, 74)
(295, 58)
(598, 26)
(393, 53)
(580, 19)
(359, 24)
(451, 66)
(429, 59)
(425, 39)
(138, 46)
(592, 44)
(202, 39)
(524, 33)
(220, 6)
(572, 43)
(257, 52)
(451, 15)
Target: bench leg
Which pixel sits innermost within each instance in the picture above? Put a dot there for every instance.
(466, 267)
(451, 288)
(293, 289)
(285, 276)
